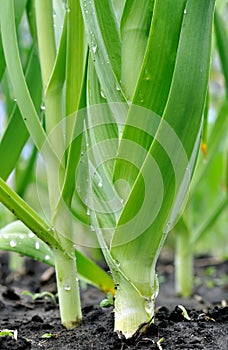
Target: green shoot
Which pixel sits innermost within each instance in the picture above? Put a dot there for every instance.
(161, 340)
(49, 336)
(9, 332)
(184, 312)
(46, 295)
(107, 302)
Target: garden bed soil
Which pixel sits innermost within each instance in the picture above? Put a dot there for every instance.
(207, 310)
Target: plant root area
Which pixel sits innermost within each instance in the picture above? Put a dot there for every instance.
(35, 324)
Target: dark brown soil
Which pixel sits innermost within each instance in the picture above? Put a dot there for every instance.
(207, 309)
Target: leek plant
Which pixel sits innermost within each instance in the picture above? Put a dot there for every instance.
(141, 135)
(122, 164)
(46, 81)
(208, 199)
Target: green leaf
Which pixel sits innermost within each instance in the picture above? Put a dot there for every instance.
(135, 26)
(215, 139)
(209, 220)
(222, 43)
(10, 199)
(15, 71)
(184, 89)
(16, 133)
(104, 43)
(16, 237)
(19, 7)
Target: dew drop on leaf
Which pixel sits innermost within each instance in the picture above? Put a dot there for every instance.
(13, 244)
(92, 228)
(100, 184)
(149, 305)
(31, 235)
(167, 227)
(94, 48)
(117, 263)
(37, 245)
(67, 287)
(47, 257)
(103, 95)
(67, 7)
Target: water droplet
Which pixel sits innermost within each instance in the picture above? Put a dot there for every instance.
(88, 211)
(117, 263)
(167, 227)
(37, 245)
(100, 184)
(141, 97)
(67, 287)
(31, 234)
(77, 279)
(92, 228)
(94, 48)
(47, 257)
(51, 229)
(117, 88)
(67, 7)
(21, 236)
(103, 95)
(185, 11)
(149, 305)
(15, 100)
(188, 169)
(13, 244)
(147, 76)
(42, 107)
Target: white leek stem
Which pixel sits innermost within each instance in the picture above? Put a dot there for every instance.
(68, 290)
(131, 309)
